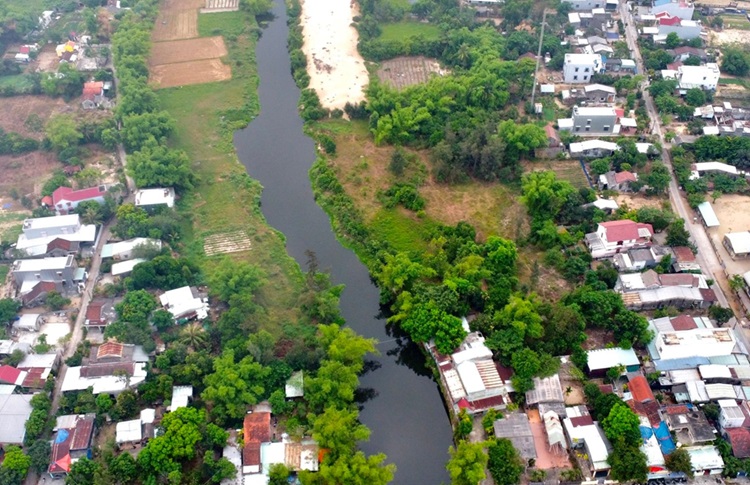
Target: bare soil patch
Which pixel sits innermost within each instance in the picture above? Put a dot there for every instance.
(187, 50)
(636, 201)
(546, 458)
(46, 60)
(733, 211)
(175, 24)
(26, 172)
(402, 72)
(193, 72)
(17, 109)
(569, 170)
(729, 36)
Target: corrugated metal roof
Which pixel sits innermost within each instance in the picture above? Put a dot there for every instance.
(708, 214)
(607, 358)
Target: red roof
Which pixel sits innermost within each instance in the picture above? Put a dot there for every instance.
(34, 379)
(38, 289)
(639, 388)
(93, 88)
(9, 374)
(67, 440)
(487, 403)
(619, 112)
(94, 312)
(581, 421)
(47, 200)
(625, 176)
(624, 230)
(678, 279)
(740, 440)
(257, 430)
(677, 409)
(683, 254)
(59, 243)
(108, 349)
(109, 369)
(683, 322)
(606, 388)
(69, 195)
(708, 294)
(24, 49)
(669, 20)
(251, 454)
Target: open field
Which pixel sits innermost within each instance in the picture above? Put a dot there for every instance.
(738, 22)
(17, 109)
(26, 172)
(193, 72)
(177, 19)
(187, 50)
(569, 170)
(401, 72)
(20, 83)
(729, 36)
(733, 211)
(404, 30)
(225, 201)
(46, 60)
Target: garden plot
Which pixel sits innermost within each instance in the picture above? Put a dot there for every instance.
(193, 72)
(177, 19)
(187, 50)
(228, 242)
(402, 72)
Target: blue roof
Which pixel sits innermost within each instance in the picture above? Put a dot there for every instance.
(675, 364)
(646, 432)
(612, 35)
(665, 438)
(658, 3)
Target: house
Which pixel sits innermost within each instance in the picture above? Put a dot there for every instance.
(708, 216)
(683, 53)
(620, 66)
(516, 428)
(73, 440)
(585, 434)
(731, 414)
(617, 180)
(111, 368)
(676, 8)
(135, 431)
(546, 390)
(38, 368)
(739, 438)
(11, 376)
(578, 68)
(181, 396)
(641, 399)
(599, 93)
(256, 430)
(639, 259)
(123, 250)
(185, 303)
(685, 29)
(698, 169)
(28, 322)
(649, 290)
(592, 148)
(591, 121)
(553, 138)
(93, 95)
(15, 410)
(606, 205)
(37, 295)
(688, 77)
(38, 236)
(689, 425)
(295, 385)
(28, 272)
(588, 5)
(706, 460)
(99, 314)
(737, 244)
(150, 199)
(613, 237)
(650, 279)
(124, 268)
(697, 342)
(683, 260)
(601, 360)
(65, 200)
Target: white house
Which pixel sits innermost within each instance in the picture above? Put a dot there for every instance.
(150, 198)
(614, 237)
(697, 342)
(689, 77)
(586, 434)
(39, 233)
(685, 29)
(591, 121)
(65, 200)
(185, 302)
(578, 68)
(676, 8)
(592, 148)
(123, 250)
(737, 244)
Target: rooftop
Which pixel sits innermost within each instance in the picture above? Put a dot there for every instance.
(516, 428)
(67, 194)
(156, 196)
(607, 358)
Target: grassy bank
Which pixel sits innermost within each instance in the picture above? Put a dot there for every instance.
(226, 199)
(404, 30)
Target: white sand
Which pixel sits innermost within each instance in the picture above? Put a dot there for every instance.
(337, 71)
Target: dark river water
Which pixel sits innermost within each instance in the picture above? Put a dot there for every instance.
(405, 411)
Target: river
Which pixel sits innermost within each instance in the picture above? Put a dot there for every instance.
(405, 411)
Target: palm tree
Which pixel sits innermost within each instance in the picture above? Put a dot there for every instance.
(193, 336)
(91, 216)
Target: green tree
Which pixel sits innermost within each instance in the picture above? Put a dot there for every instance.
(338, 430)
(357, 469)
(233, 387)
(467, 462)
(695, 97)
(62, 132)
(673, 40)
(628, 464)
(601, 166)
(132, 222)
(734, 60)
(82, 472)
(658, 178)
(230, 278)
(278, 474)
(39, 454)
(162, 320)
(677, 235)
(139, 130)
(16, 462)
(679, 461)
(521, 139)
(124, 467)
(720, 314)
(622, 423)
(544, 195)
(505, 464)
(160, 166)
(103, 404)
(8, 310)
(55, 301)
(193, 336)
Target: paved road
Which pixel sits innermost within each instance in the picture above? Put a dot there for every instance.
(706, 256)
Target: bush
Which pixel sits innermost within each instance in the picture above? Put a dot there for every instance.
(329, 146)
(406, 195)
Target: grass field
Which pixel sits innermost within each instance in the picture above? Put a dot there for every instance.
(404, 231)
(404, 30)
(739, 22)
(4, 270)
(20, 83)
(226, 199)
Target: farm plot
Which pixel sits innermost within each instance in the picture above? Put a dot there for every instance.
(27, 115)
(173, 25)
(193, 72)
(187, 50)
(402, 72)
(228, 242)
(26, 173)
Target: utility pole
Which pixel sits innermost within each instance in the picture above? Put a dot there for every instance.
(538, 57)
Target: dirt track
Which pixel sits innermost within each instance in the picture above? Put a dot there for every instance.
(187, 50)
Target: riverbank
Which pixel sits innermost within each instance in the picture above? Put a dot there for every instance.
(336, 69)
(226, 200)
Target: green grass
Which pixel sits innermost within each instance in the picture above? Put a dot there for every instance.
(19, 83)
(739, 22)
(226, 198)
(404, 233)
(739, 82)
(4, 270)
(404, 30)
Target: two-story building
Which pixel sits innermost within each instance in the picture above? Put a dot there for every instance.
(28, 272)
(600, 94)
(578, 68)
(689, 77)
(675, 8)
(54, 236)
(685, 29)
(614, 237)
(590, 121)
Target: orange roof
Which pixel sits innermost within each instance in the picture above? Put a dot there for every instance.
(109, 349)
(257, 427)
(639, 388)
(93, 88)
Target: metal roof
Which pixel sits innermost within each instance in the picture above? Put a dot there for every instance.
(516, 428)
(607, 358)
(548, 389)
(708, 214)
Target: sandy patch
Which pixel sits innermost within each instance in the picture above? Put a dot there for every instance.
(337, 71)
(187, 50)
(547, 458)
(194, 72)
(733, 211)
(729, 36)
(636, 201)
